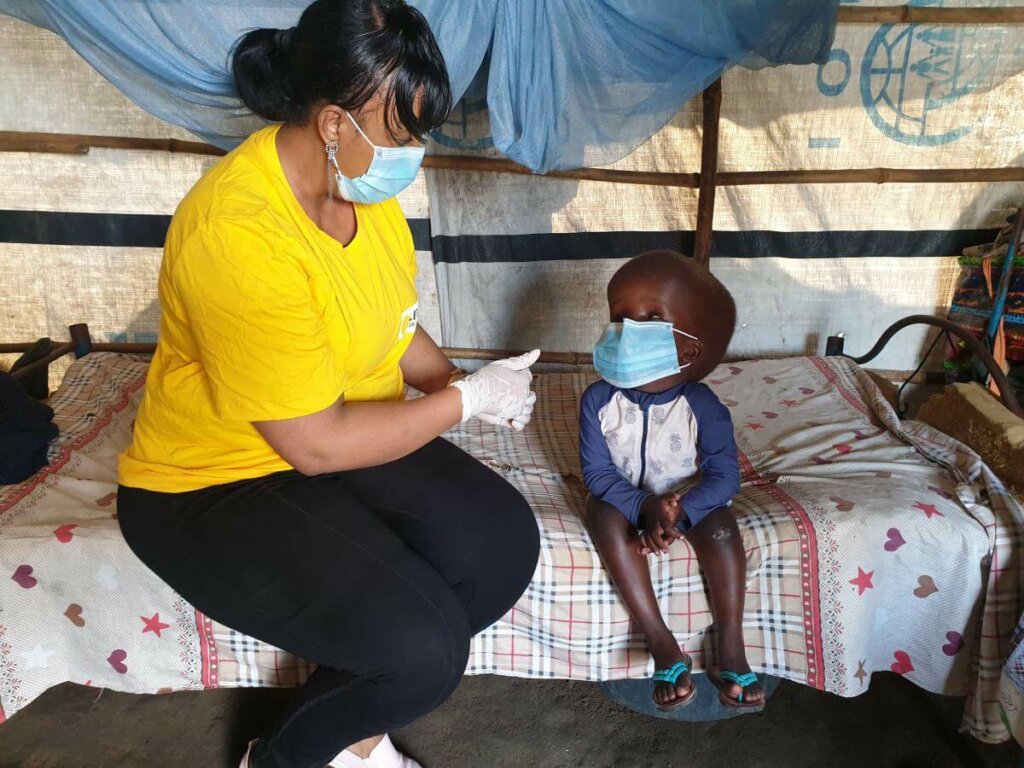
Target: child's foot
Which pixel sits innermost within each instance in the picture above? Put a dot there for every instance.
(668, 695)
(732, 692)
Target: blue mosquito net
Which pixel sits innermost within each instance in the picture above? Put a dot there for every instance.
(568, 82)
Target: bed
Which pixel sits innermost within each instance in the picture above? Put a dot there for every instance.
(873, 545)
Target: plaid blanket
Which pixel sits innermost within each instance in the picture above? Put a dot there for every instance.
(872, 545)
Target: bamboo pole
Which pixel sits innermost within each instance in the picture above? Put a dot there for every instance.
(708, 172)
(906, 14)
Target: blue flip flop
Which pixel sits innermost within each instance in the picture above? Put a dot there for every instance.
(671, 676)
(744, 681)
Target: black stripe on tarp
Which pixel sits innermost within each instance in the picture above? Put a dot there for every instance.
(420, 233)
(122, 230)
(127, 230)
(490, 249)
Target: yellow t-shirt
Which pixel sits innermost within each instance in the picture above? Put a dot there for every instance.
(263, 317)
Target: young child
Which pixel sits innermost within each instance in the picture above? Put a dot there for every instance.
(659, 459)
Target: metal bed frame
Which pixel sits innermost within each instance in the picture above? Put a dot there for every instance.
(43, 352)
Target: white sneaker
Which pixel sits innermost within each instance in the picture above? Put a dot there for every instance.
(245, 757)
(384, 755)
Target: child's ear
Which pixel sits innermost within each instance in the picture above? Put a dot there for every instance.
(691, 351)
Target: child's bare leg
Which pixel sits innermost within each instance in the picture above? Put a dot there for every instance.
(719, 548)
(619, 545)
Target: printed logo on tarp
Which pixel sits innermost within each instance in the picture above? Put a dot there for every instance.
(467, 127)
(912, 76)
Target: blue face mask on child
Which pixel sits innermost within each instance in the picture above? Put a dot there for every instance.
(631, 354)
(391, 170)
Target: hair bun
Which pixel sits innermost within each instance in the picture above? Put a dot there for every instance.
(262, 73)
(283, 39)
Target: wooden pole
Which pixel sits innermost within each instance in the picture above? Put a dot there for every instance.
(496, 165)
(13, 141)
(708, 172)
(42, 362)
(561, 358)
(81, 143)
(459, 353)
(906, 14)
(870, 176)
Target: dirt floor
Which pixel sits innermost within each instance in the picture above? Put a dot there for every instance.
(494, 722)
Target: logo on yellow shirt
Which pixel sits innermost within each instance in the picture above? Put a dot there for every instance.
(408, 322)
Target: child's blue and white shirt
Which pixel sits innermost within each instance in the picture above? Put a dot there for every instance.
(634, 445)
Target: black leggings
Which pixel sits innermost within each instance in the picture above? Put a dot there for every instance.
(380, 576)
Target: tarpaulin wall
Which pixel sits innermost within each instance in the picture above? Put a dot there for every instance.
(521, 261)
(81, 236)
(524, 261)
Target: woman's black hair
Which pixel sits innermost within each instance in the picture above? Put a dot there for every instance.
(343, 52)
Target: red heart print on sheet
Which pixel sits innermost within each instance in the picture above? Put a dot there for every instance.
(769, 414)
(116, 660)
(735, 371)
(927, 586)
(956, 642)
(902, 663)
(842, 505)
(717, 382)
(106, 501)
(23, 577)
(63, 533)
(74, 614)
(895, 540)
(843, 447)
(807, 390)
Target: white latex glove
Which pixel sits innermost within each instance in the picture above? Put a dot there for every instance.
(518, 423)
(500, 389)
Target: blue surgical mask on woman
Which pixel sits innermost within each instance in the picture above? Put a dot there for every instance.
(391, 170)
(631, 354)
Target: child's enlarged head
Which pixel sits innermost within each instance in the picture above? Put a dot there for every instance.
(668, 286)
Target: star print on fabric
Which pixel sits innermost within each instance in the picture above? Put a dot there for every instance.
(863, 580)
(860, 674)
(789, 403)
(153, 624)
(754, 426)
(37, 657)
(928, 509)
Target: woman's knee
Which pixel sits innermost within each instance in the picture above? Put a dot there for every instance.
(518, 528)
(510, 549)
(425, 667)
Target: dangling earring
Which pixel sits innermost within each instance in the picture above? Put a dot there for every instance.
(332, 152)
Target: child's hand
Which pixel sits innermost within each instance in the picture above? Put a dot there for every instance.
(661, 514)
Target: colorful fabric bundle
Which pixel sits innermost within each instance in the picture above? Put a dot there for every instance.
(977, 295)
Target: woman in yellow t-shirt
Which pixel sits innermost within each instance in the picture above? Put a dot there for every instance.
(278, 479)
